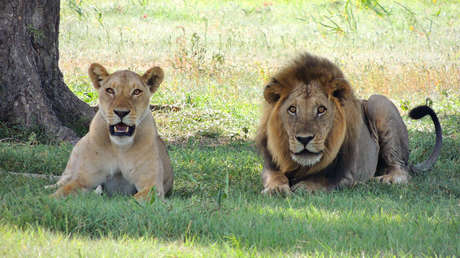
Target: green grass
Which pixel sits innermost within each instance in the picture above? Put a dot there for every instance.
(217, 55)
(217, 209)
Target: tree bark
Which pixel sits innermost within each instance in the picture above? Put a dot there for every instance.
(32, 91)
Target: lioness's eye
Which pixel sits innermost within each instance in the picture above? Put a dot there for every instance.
(292, 109)
(110, 91)
(137, 92)
(321, 110)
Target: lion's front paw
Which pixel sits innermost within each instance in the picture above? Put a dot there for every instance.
(309, 187)
(394, 176)
(277, 189)
(275, 182)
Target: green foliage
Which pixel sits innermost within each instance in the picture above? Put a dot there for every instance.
(76, 7)
(373, 5)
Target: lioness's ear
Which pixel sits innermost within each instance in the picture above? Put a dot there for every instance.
(97, 73)
(272, 91)
(153, 78)
(340, 89)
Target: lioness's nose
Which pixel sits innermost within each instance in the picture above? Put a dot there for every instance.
(120, 113)
(304, 140)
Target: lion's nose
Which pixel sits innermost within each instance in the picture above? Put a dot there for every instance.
(121, 113)
(304, 140)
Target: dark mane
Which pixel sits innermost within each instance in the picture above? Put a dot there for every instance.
(308, 67)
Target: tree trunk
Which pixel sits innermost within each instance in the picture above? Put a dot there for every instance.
(32, 91)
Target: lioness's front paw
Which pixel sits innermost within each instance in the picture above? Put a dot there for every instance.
(57, 195)
(149, 195)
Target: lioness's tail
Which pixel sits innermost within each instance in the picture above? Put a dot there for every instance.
(417, 113)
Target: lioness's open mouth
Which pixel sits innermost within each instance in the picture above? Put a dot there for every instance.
(121, 129)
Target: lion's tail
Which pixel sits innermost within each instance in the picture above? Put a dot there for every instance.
(417, 113)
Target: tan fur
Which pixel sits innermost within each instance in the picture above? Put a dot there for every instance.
(315, 134)
(141, 158)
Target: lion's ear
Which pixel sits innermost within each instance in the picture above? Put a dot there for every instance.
(272, 91)
(153, 78)
(97, 73)
(340, 89)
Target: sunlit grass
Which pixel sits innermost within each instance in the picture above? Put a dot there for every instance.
(217, 54)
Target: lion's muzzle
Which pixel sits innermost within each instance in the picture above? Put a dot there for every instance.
(304, 150)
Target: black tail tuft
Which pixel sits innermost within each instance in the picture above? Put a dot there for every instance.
(418, 113)
(421, 111)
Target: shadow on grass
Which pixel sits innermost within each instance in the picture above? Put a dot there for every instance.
(207, 170)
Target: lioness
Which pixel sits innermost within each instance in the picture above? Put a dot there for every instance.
(122, 148)
(316, 135)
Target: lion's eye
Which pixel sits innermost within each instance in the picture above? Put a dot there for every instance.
(292, 110)
(321, 110)
(110, 91)
(137, 92)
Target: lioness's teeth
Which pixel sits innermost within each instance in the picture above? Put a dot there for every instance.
(123, 129)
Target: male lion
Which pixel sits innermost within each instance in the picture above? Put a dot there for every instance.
(316, 135)
(122, 148)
